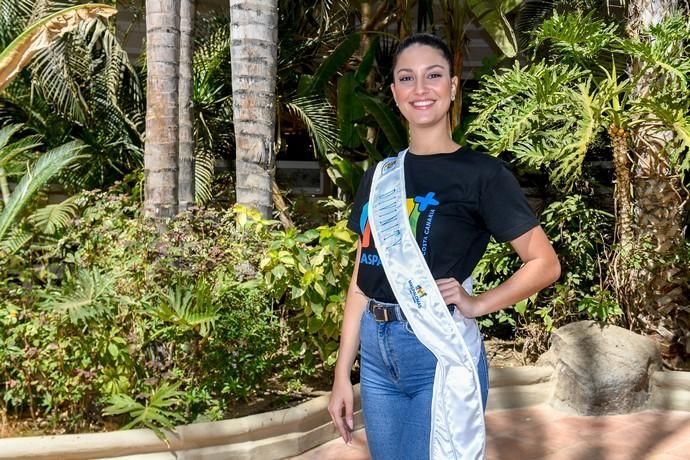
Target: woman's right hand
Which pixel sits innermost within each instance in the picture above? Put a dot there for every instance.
(340, 407)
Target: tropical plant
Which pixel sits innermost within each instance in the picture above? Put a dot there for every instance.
(548, 115)
(159, 410)
(78, 85)
(34, 178)
(308, 272)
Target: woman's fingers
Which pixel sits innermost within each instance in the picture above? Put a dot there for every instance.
(450, 290)
(344, 425)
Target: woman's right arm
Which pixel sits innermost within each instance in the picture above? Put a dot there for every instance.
(342, 397)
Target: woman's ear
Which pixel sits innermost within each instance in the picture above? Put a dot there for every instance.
(395, 96)
(453, 87)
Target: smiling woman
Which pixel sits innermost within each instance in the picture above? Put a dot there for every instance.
(424, 376)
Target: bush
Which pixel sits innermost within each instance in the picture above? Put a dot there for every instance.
(580, 236)
(110, 313)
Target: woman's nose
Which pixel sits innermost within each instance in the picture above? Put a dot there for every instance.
(420, 85)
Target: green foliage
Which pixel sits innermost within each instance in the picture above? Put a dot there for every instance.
(112, 320)
(47, 166)
(576, 39)
(189, 309)
(155, 413)
(83, 87)
(110, 310)
(310, 273)
(580, 235)
(549, 113)
(88, 296)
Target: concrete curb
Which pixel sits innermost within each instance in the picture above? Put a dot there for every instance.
(670, 391)
(289, 432)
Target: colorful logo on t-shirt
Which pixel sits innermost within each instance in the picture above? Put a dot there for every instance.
(416, 207)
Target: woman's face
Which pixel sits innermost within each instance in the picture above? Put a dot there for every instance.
(422, 86)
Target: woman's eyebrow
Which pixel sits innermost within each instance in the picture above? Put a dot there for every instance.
(433, 66)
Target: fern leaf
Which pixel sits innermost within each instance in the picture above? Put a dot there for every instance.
(55, 217)
(15, 241)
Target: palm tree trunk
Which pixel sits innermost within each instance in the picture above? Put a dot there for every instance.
(162, 114)
(626, 286)
(659, 204)
(186, 147)
(455, 37)
(254, 36)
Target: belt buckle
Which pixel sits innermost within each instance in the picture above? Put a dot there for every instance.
(380, 308)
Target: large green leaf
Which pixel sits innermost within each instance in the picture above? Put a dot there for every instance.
(46, 167)
(39, 36)
(337, 59)
(491, 16)
(350, 110)
(387, 120)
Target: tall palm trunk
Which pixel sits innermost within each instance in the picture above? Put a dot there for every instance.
(186, 147)
(254, 36)
(661, 299)
(162, 102)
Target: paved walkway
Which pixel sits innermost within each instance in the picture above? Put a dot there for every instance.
(540, 432)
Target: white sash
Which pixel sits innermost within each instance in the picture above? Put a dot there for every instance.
(457, 415)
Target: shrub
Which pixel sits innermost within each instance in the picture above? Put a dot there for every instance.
(579, 235)
(109, 313)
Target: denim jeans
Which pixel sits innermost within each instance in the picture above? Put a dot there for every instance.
(397, 379)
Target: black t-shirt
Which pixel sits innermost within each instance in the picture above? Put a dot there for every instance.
(456, 202)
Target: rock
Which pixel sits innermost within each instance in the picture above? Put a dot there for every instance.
(600, 370)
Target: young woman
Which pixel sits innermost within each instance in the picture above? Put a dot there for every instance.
(456, 200)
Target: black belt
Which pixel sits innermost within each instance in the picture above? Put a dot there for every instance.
(384, 312)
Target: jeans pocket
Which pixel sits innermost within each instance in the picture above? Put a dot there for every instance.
(408, 327)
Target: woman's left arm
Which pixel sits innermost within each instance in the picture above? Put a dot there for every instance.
(540, 269)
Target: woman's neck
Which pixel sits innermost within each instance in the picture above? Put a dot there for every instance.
(430, 140)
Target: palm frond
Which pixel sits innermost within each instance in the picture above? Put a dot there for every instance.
(189, 307)
(318, 115)
(39, 35)
(47, 166)
(16, 150)
(55, 217)
(204, 169)
(15, 240)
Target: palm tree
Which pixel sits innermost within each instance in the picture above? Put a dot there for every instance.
(657, 287)
(162, 108)
(254, 38)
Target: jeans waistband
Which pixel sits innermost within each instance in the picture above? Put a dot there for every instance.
(384, 312)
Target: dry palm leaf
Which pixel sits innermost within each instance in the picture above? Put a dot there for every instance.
(39, 36)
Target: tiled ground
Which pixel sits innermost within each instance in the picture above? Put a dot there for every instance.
(542, 433)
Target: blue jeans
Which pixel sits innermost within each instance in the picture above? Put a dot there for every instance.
(397, 379)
